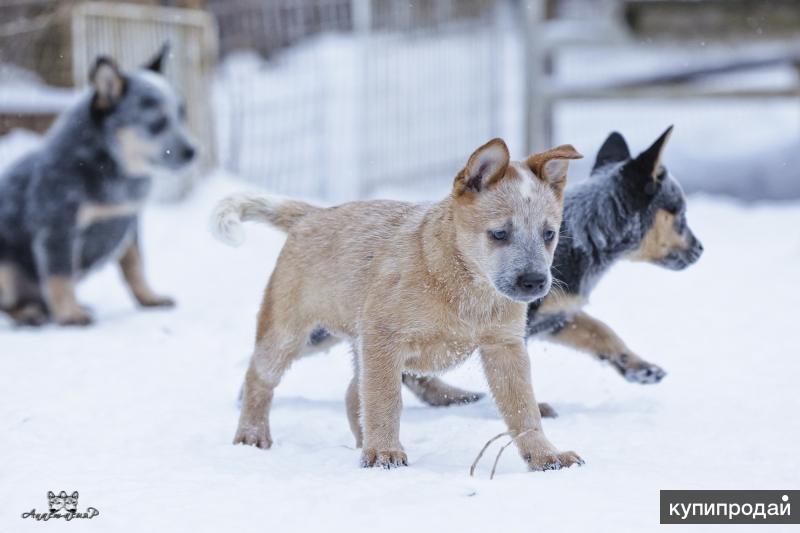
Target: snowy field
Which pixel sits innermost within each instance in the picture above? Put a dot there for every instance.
(137, 412)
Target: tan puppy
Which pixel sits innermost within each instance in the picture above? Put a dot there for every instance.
(413, 287)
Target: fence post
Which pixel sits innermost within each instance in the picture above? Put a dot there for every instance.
(344, 112)
(538, 121)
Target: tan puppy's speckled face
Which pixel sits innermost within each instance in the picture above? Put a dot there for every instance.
(508, 214)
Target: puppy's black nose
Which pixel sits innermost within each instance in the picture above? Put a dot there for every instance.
(188, 153)
(532, 281)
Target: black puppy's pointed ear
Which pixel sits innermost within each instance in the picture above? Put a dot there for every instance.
(108, 83)
(614, 150)
(486, 166)
(649, 161)
(156, 64)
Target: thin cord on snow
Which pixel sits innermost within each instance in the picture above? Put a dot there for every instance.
(502, 449)
(485, 446)
(509, 443)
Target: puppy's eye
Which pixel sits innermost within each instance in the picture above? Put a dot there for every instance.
(498, 234)
(149, 102)
(158, 126)
(549, 235)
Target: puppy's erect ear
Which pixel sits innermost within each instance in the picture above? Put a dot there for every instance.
(486, 166)
(50, 494)
(62, 494)
(108, 83)
(75, 494)
(614, 150)
(156, 64)
(649, 161)
(551, 166)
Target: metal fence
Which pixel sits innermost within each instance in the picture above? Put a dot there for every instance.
(343, 97)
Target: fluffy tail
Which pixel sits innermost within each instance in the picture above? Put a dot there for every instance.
(226, 221)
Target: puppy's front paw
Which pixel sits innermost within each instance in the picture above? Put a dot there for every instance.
(33, 315)
(645, 375)
(155, 300)
(77, 316)
(637, 370)
(552, 460)
(386, 459)
(257, 436)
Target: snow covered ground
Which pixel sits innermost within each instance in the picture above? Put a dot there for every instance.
(137, 412)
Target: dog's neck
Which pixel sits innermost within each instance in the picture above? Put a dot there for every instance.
(81, 141)
(601, 226)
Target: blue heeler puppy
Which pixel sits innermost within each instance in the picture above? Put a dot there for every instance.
(630, 208)
(74, 204)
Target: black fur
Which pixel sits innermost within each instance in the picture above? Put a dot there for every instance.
(607, 216)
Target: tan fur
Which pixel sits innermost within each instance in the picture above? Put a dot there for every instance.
(410, 287)
(557, 301)
(433, 391)
(136, 151)
(588, 334)
(661, 239)
(8, 286)
(133, 271)
(91, 213)
(60, 295)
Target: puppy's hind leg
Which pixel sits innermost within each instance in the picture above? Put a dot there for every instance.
(354, 411)
(280, 337)
(272, 356)
(436, 393)
(353, 403)
(22, 303)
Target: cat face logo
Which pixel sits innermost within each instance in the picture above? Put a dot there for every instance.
(62, 500)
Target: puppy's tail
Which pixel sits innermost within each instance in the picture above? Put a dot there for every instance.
(226, 221)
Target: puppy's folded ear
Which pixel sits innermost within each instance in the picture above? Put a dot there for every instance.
(551, 166)
(486, 166)
(108, 83)
(156, 64)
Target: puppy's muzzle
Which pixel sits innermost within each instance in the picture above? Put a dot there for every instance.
(188, 153)
(532, 285)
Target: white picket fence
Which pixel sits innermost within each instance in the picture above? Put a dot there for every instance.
(402, 97)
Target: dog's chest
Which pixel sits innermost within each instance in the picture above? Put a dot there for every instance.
(119, 190)
(105, 240)
(107, 219)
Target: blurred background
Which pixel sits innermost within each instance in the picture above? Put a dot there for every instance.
(344, 99)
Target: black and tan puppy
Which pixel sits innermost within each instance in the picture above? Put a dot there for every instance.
(630, 208)
(73, 204)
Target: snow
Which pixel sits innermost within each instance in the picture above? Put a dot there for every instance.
(137, 412)
(22, 91)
